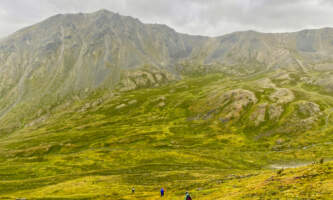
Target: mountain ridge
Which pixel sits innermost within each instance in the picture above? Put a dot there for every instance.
(116, 13)
(73, 54)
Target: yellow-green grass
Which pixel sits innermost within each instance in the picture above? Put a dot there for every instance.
(101, 151)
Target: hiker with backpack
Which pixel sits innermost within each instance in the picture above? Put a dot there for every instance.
(187, 196)
(162, 192)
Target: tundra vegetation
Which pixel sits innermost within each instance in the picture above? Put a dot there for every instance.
(99, 107)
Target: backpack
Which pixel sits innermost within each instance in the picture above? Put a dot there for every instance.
(188, 197)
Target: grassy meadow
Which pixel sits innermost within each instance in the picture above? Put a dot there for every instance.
(179, 137)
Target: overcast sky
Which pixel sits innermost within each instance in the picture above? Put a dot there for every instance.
(203, 17)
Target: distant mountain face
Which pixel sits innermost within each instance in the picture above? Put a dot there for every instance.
(300, 49)
(67, 55)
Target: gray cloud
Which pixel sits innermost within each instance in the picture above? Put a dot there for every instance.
(204, 17)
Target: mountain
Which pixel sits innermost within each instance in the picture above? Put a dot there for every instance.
(93, 104)
(73, 54)
(77, 53)
(68, 54)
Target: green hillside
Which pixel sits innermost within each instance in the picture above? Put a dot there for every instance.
(217, 135)
(94, 104)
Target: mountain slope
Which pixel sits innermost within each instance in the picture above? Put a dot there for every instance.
(101, 146)
(70, 54)
(74, 54)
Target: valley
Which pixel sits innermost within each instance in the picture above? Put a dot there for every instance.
(103, 145)
(95, 104)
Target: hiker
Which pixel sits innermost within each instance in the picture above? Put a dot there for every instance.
(162, 192)
(187, 196)
(133, 190)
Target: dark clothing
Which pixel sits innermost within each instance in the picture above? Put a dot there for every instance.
(187, 197)
(162, 192)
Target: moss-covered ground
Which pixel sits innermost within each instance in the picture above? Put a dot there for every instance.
(102, 146)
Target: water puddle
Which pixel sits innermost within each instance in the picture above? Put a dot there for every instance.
(295, 164)
(289, 165)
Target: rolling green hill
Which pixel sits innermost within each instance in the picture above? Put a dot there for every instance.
(95, 104)
(187, 135)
